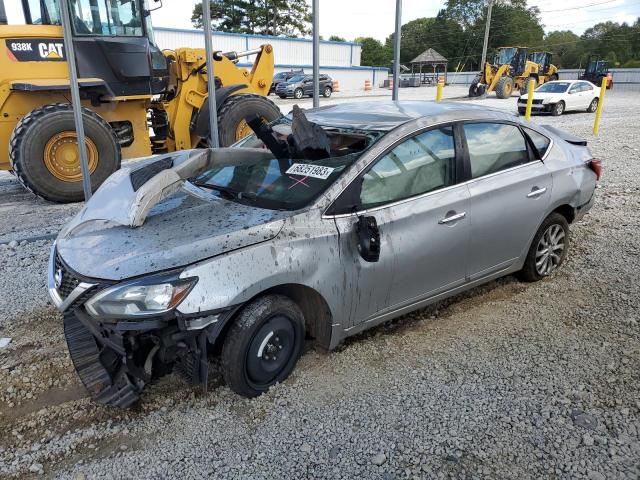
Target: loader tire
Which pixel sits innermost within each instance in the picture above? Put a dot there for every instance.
(474, 88)
(232, 125)
(44, 155)
(504, 88)
(525, 88)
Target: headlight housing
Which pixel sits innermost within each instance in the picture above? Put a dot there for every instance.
(146, 297)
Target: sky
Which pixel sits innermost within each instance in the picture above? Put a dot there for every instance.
(375, 18)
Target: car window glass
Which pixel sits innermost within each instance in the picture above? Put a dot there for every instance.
(494, 147)
(539, 141)
(574, 88)
(421, 164)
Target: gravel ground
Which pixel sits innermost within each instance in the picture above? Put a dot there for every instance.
(509, 380)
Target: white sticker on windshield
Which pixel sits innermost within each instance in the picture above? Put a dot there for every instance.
(315, 171)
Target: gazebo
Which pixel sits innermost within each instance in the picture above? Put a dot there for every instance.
(429, 58)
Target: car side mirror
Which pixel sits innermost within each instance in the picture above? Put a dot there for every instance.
(368, 236)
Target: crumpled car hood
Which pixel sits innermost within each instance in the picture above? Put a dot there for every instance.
(179, 231)
(176, 224)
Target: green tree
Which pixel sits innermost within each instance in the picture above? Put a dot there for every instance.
(336, 38)
(512, 24)
(263, 17)
(566, 48)
(374, 54)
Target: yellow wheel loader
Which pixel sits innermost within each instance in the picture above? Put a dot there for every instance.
(511, 70)
(137, 100)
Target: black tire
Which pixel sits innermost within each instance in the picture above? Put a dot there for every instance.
(298, 93)
(557, 109)
(282, 96)
(593, 106)
(474, 88)
(234, 110)
(327, 92)
(504, 87)
(530, 271)
(525, 88)
(27, 150)
(267, 328)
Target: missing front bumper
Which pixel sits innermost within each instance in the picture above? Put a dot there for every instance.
(116, 360)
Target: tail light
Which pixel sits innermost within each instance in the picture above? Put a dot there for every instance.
(596, 166)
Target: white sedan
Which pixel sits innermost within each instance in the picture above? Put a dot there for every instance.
(559, 96)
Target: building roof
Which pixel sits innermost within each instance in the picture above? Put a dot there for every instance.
(429, 56)
(386, 115)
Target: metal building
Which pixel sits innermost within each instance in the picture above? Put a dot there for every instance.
(340, 60)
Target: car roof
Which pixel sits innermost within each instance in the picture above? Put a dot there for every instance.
(387, 114)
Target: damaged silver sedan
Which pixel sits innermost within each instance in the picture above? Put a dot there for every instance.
(314, 228)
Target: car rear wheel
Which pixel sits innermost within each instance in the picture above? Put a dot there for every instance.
(298, 93)
(263, 345)
(548, 249)
(593, 106)
(558, 109)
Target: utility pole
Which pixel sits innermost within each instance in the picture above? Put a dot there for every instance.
(75, 96)
(214, 140)
(315, 25)
(486, 35)
(396, 51)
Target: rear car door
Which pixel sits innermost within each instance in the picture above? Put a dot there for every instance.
(510, 190)
(412, 191)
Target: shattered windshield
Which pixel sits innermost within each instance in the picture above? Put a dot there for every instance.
(290, 180)
(553, 87)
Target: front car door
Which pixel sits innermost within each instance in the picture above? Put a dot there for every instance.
(587, 93)
(573, 98)
(413, 193)
(307, 86)
(510, 190)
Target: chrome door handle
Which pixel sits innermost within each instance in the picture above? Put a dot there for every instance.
(536, 193)
(452, 218)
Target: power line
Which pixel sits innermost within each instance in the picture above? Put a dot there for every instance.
(577, 8)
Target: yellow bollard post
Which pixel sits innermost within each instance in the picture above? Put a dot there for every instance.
(527, 112)
(603, 89)
(439, 92)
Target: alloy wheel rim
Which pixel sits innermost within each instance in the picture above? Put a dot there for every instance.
(298, 94)
(550, 250)
(560, 107)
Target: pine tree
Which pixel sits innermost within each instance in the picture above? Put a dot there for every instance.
(264, 17)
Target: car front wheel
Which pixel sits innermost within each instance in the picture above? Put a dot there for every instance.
(263, 345)
(327, 92)
(298, 93)
(548, 249)
(557, 109)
